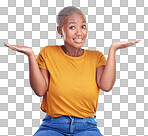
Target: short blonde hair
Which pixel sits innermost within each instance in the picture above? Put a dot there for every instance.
(65, 12)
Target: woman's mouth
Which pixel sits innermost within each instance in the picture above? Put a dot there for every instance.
(78, 40)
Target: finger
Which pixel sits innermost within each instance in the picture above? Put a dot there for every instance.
(7, 44)
(133, 42)
(123, 43)
(128, 44)
(136, 41)
(16, 47)
(19, 48)
(13, 47)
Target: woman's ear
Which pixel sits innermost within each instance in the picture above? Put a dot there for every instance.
(59, 30)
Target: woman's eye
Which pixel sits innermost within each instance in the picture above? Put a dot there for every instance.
(84, 26)
(72, 27)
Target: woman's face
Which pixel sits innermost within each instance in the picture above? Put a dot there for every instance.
(74, 30)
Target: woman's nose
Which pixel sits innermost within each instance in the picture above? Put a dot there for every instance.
(79, 31)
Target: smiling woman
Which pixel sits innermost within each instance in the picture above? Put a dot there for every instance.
(72, 27)
(70, 78)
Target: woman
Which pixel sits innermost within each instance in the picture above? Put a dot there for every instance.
(70, 78)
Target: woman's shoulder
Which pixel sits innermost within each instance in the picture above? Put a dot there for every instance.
(48, 49)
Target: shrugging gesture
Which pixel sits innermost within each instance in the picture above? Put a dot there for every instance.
(107, 78)
(123, 44)
(24, 49)
(38, 77)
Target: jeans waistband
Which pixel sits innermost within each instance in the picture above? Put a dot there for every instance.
(47, 117)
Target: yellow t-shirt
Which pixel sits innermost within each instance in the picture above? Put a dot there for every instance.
(73, 87)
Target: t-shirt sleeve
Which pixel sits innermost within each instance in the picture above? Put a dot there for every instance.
(101, 59)
(41, 59)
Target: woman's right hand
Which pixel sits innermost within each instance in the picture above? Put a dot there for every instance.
(24, 49)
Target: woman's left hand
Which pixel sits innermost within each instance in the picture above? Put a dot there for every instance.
(119, 45)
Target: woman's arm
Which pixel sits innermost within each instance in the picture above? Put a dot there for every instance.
(106, 75)
(39, 79)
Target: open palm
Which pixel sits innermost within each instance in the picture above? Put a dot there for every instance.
(123, 44)
(24, 49)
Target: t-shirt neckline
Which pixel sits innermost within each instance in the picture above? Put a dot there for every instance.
(60, 46)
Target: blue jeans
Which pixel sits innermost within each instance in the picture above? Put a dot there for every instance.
(68, 126)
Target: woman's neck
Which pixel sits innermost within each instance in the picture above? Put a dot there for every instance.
(74, 52)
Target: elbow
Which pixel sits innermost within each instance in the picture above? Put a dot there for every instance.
(106, 88)
(39, 95)
(37, 92)
(39, 89)
(40, 92)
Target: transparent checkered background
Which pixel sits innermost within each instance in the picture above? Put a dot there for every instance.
(123, 110)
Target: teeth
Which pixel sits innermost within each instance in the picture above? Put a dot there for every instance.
(78, 40)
